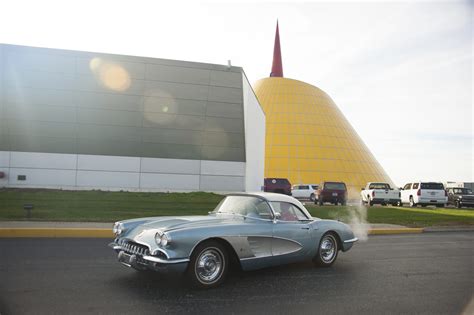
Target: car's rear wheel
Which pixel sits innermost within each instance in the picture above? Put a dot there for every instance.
(209, 265)
(327, 250)
(312, 197)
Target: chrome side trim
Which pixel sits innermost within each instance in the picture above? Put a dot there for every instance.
(164, 261)
(352, 240)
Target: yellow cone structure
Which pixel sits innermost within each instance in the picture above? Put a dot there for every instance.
(308, 139)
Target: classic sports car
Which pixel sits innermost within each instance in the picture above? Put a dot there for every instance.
(254, 230)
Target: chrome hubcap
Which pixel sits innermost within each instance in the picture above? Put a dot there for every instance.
(209, 265)
(328, 248)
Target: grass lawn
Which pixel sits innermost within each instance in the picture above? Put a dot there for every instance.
(413, 217)
(102, 206)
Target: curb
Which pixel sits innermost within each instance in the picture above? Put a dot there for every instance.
(107, 233)
(56, 232)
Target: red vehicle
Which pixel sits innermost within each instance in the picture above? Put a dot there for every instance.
(333, 192)
(277, 185)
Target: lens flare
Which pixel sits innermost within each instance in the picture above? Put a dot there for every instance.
(115, 77)
(109, 74)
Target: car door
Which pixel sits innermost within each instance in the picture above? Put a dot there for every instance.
(292, 237)
(406, 193)
(304, 191)
(295, 191)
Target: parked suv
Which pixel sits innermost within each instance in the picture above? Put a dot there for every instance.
(460, 197)
(333, 192)
(277, 185)
(304, 191)
(424, 193)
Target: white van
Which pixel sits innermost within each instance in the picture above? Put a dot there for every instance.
(424, 194)
(304, 191)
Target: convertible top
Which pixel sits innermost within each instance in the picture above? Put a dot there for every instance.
(268, 196)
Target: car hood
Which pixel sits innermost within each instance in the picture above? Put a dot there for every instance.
(166, 224)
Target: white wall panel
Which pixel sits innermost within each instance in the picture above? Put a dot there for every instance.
(43, 160)
(107, 179)
(174, 166)
(169, 181)
(42, 177)
(222, 183)
(222, 168)
(108, 163)
(254, 139)
(4, 159)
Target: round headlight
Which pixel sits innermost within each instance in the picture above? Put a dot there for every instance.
(158, 236)
(118, 228)
(164, 240)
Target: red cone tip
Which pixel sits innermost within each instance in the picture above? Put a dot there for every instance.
(277, 66)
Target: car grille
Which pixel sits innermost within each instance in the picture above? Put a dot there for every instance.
(134, 248)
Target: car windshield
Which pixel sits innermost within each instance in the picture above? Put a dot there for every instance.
(244, 205)
(434, 186)
(315, 187)
(462, 191)
(337, 186)
(379, 186)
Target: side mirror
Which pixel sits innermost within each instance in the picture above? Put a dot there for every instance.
(277, 215)
(362, 188)
(400, 188)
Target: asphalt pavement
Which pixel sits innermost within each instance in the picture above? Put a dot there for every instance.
(429, 273)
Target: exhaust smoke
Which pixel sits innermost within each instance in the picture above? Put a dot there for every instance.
(357, 220)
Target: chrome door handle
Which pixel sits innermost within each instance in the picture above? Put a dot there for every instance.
(305, 227)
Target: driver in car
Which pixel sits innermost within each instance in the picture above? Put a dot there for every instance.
(286, 212)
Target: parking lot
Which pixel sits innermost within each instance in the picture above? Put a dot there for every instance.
(412, 274)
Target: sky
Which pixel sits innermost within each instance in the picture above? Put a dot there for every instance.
(400, 71)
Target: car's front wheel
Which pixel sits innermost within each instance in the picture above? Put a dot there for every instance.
(208, 266)
(458, 204)
(312, 197)
(327, 250)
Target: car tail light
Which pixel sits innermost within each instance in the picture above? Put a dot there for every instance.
(418, 193)
(373, 193)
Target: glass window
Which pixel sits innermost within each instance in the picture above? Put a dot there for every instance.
(337, 186)
(415, 186)
(246, 206)
(315, 187)
(304, 187)
(461, 191)
(379, 186)
(288, 211)
(407, 186)
(434, 186)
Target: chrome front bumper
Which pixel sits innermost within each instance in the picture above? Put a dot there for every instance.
(143, 261)
(347, 244)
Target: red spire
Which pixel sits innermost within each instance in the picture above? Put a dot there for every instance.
(277, 66)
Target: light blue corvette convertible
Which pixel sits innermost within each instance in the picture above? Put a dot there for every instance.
(253, 230)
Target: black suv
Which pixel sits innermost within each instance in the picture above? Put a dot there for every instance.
(460, 197)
